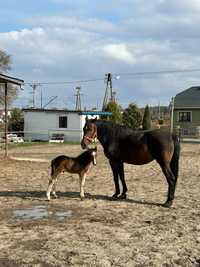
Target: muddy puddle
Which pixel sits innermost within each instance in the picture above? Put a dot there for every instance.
(41, 212)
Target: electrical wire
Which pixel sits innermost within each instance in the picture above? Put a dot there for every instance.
(133, 74)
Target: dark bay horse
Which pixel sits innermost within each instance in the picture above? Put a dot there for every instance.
(123, 145)
(79, 165)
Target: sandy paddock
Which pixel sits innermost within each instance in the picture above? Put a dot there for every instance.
(98, 231)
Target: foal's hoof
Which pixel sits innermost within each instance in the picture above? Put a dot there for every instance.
(122, 196)
(167, 204)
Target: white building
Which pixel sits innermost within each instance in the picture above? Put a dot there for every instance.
(41, 124)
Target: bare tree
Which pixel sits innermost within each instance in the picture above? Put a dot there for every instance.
(5, 65)
(5, 61)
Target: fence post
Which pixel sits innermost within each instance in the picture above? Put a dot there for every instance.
(6, 120)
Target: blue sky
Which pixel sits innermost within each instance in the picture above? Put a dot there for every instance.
(60, 40)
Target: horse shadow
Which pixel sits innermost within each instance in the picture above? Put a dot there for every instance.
(41, 196)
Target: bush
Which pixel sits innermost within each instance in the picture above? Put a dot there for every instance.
(116, 116)
(132, 117)
(146, 122)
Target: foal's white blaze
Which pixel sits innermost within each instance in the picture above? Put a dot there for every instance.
(94, 158)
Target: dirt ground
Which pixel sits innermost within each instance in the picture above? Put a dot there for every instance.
(97, 231)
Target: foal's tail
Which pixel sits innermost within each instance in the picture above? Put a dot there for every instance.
(174, 165)
(52, 167)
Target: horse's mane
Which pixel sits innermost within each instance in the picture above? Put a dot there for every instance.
(114, 128)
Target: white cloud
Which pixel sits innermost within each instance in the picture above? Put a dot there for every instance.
(153, 36)
(119, 52)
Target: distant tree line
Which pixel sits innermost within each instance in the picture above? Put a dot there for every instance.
(131, 117)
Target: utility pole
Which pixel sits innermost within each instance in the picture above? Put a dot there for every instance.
(78, 98)
(109, 90)
(41, 99)
(159, 110)
(172, 115)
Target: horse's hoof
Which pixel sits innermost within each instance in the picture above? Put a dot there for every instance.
(82, 198)
(115, 197)
(122, 196)
(167, 204)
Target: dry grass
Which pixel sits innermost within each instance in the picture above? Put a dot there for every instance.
(100, 232)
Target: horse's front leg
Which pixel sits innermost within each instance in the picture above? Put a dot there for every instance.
(115, 169)
(122, 178)
(82, 177)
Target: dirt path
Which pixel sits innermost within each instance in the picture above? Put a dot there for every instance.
(98, 231)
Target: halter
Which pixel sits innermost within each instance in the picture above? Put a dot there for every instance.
(91, 139)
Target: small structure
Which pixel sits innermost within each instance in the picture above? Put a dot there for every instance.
(187, 112)
(5, 80)
(43, 124)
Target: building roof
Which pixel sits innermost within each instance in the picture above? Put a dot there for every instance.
(68, 111)
(9, 79)
(189, 98)
(105, 113)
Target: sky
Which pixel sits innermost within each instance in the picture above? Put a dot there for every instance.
(56, 42)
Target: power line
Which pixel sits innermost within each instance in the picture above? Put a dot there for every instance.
(116, 75)
(68, 82)
(156, 72)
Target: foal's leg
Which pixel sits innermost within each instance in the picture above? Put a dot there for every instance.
(49, 189)
(171, 184)
(82, 177)
(54, 189)
(115, 169)
(51, 185)
(122, 178)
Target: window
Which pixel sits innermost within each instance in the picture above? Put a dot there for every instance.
(63, 122)
(185, 116)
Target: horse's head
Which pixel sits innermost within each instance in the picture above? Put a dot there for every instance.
(93, 152)
(89, 133)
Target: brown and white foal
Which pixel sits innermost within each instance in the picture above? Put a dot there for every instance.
(80, 165)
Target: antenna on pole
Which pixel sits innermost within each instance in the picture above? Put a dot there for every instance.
(78, 98)
(109, 96)
(51, 100)
(34, 87)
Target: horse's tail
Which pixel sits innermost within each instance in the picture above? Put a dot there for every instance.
(174, 165)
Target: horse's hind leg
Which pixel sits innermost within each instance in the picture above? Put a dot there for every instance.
(122, 178)
(171, 184)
